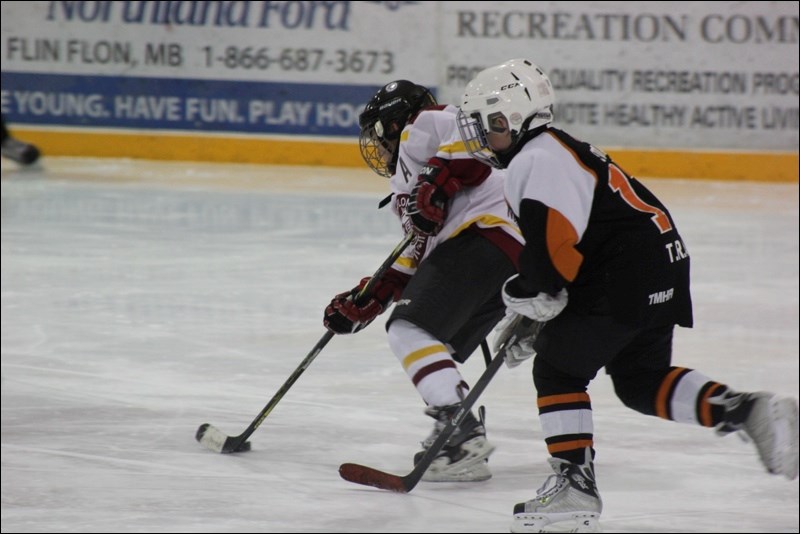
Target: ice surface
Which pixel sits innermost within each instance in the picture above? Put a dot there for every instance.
(140, 300)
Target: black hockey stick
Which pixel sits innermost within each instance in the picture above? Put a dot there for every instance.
(487, 354)
(368, 476)
(211, 437)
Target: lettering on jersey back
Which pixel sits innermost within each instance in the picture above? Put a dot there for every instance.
(676, 250)
(662, 296)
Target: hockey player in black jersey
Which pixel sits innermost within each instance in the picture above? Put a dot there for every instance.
(605, 267)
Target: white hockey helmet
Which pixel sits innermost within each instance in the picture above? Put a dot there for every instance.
(516, 90)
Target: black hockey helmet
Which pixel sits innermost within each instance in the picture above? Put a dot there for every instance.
(383, 120)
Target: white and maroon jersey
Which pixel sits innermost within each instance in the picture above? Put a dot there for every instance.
(600, 233)
(434, 133)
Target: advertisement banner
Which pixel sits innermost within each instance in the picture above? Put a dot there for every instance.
(260, 67)
(678, 77)
(649, 74)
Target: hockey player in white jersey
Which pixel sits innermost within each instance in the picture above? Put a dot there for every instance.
(607, 271)
(447, 284)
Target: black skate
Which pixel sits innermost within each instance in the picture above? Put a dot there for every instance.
(464, 457)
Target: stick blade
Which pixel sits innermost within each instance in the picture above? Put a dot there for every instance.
(367, 476)
(216, 440)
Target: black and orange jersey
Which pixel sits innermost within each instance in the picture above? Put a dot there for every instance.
(597, 231)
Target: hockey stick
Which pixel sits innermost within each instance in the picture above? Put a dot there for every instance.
(487, 355)
(368, 476)
(211, 437)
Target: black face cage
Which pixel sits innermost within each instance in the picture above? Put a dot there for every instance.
(371, 146)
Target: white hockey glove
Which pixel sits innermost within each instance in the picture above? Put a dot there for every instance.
(520, 333)
(541, 307)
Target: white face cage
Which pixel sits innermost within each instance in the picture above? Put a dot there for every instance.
(475, 141)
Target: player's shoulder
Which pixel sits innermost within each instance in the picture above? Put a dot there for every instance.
(435, 115)
(433, 127)
(551, 147)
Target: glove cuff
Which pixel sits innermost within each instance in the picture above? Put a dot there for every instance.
(386, 290)
(513, 288)
(451, 186)
(539, 307)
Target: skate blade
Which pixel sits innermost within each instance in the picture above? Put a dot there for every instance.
(783, 412)
(474, 473)
(563, 522)
(471, 468)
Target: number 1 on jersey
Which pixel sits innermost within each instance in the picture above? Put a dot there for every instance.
(619, 183)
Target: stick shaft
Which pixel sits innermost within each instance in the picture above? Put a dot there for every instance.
(368, 476)
(218, 441)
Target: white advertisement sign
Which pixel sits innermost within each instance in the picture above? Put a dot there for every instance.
(703, 75)
(647, 74)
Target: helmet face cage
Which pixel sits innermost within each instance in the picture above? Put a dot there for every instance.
(518, 91)
(474, 137)
(373, 149)
(383, 120)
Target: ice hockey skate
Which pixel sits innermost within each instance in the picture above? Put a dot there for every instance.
(22, 153)
(567, 502)
(770, 421)
(464, 457)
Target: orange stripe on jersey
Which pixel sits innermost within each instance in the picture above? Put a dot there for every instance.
(570, 445)
(705, 406)
(566, 398)
(574, 155)
(662, 398)
(561, 241)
